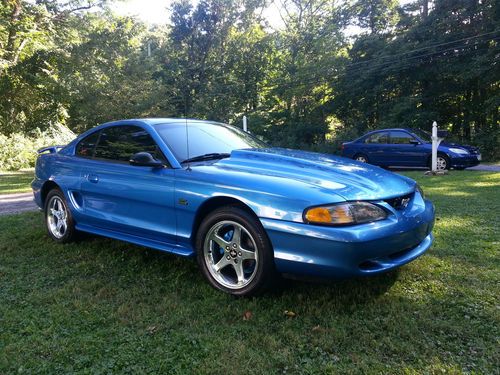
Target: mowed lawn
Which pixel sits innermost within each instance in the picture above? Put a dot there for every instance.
(104, 306)
(16, 182)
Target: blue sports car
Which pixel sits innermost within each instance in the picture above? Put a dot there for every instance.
(408, 148)
(247, 211)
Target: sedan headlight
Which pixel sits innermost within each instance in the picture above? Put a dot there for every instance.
(344, 213)
(460, 151)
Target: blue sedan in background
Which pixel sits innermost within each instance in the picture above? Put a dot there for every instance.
(245, 210)
(406, 148)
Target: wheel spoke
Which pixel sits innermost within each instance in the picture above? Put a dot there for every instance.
(247, 254)
(219, 240)
(223, 262)
(237, 235)
(59, 225)
(238, 268)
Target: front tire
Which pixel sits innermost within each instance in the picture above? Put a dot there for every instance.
(58, 218)
(362, 158)
(443, 163)
(234, 252)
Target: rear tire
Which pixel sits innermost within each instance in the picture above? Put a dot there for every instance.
(234, 252)
(58, 219)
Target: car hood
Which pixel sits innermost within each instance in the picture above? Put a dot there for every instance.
(347, 178)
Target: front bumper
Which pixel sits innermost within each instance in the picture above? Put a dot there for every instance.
(464, 161)
(312, 250)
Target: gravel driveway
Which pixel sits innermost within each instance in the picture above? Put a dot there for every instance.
(15, 203)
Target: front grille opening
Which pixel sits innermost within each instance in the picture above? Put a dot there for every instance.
(369, 265)
(400, 203)
(399, 254)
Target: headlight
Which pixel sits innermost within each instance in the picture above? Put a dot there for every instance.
(419, 189)
(459, 151)
(344, 213)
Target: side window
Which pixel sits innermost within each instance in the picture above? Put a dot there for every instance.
(119, 143)
(85, 147)
(400, 138)
(381, 137)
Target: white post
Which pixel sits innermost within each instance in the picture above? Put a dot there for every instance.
(435, 144)
(245, 127)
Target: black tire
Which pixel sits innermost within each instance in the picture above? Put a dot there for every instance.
(67, 232)
(210, 254)
(459, 168)
(445, 158)
(358, 157)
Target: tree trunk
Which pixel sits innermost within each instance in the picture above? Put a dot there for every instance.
(10, 53)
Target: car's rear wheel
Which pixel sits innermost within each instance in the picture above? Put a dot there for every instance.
(58, 219)
(234, 253)
(361, 158)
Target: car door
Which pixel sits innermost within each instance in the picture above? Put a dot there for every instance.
(117, 196)
(406, 150)
(376, 147)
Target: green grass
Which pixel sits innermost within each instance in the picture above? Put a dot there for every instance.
(104, 306)
(16, 182)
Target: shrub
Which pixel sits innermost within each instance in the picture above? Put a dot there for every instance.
(20, 151)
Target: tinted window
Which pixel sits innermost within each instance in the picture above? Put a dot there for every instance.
(86, 146)
(399, 137)
(205, 138)
(378, 138)
(119, 143)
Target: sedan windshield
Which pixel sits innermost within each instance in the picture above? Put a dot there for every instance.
(423, 135)
(204, 139)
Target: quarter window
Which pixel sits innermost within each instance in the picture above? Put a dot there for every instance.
(119, 143)
(381, 137)
(85, 147)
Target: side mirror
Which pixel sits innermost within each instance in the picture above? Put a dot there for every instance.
(442, 133)
(145, 159)
(414, 142)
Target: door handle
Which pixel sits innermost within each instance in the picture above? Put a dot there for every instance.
(92, 178)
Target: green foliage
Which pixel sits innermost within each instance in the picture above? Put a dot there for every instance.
(19, 150)
(78, 64)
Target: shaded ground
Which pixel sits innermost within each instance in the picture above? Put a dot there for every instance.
(15, 203)
(104, 306)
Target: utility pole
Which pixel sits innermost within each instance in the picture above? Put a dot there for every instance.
(245, 126)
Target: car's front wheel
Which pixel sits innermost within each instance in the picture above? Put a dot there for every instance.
(58, 219)
(442, 162)
(361, 158)
(234, 253)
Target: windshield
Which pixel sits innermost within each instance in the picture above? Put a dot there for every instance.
(205, 138)
(423, 135)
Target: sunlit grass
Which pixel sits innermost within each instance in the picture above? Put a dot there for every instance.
(16, 182)
(104, 306)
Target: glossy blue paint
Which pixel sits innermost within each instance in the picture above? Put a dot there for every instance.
(417, 154)
(159, 207)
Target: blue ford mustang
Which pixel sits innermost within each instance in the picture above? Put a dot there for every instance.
(406, 148)
(246, 211)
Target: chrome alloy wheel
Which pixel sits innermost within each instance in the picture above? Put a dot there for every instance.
(361, 159)
(441, 163)
(57, 217)
(231, 254)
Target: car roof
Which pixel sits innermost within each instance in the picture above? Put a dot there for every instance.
(161, 120)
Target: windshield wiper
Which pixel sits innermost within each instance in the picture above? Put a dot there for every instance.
(211, 156)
